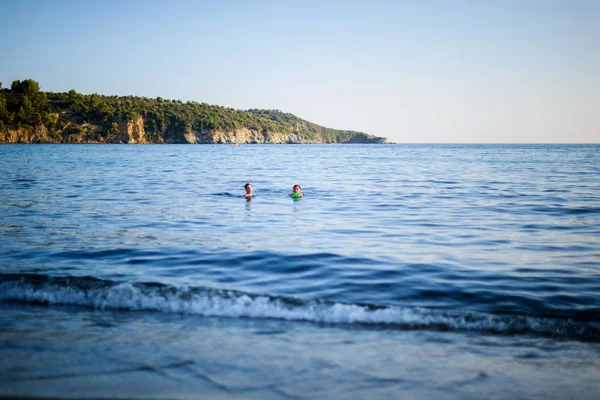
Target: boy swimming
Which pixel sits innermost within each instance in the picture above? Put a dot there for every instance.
(297, 192)
(248, 188)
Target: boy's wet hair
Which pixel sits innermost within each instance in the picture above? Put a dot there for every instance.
(293, 187)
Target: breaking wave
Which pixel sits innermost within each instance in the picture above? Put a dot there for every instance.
(105, 294)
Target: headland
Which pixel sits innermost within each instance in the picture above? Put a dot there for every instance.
(28, 115)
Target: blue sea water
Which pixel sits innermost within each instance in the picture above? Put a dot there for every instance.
(408, 271)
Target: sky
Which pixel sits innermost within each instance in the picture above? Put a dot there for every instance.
(414, 71)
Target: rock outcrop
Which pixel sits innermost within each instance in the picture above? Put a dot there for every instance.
(133, 132)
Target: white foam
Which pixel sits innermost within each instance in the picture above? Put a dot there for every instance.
(232, 304)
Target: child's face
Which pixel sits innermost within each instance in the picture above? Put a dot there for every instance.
(249, 189)
(296, 189)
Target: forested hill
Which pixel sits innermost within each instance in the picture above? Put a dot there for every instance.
(28, 115)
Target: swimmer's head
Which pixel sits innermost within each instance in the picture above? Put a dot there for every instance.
(248, 188)
(296, 189)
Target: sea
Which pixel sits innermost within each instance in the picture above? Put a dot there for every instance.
(408, 271)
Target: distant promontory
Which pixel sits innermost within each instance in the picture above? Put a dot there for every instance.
(28, 115)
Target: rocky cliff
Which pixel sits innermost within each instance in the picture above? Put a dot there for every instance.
(132, 131)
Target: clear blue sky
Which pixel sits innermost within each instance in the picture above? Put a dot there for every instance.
(413, 71)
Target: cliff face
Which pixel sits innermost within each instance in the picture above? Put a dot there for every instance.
(134, 132)
(124, 132)
(38, 134)
(247, 136)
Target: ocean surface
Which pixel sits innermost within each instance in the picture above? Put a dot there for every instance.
(408, 271)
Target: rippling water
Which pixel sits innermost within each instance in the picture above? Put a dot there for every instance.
(394, 246)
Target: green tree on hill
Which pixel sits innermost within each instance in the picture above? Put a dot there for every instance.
(30, 105)
(4, 114)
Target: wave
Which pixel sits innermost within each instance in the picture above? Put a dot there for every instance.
(105, 294)
(227, 194)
